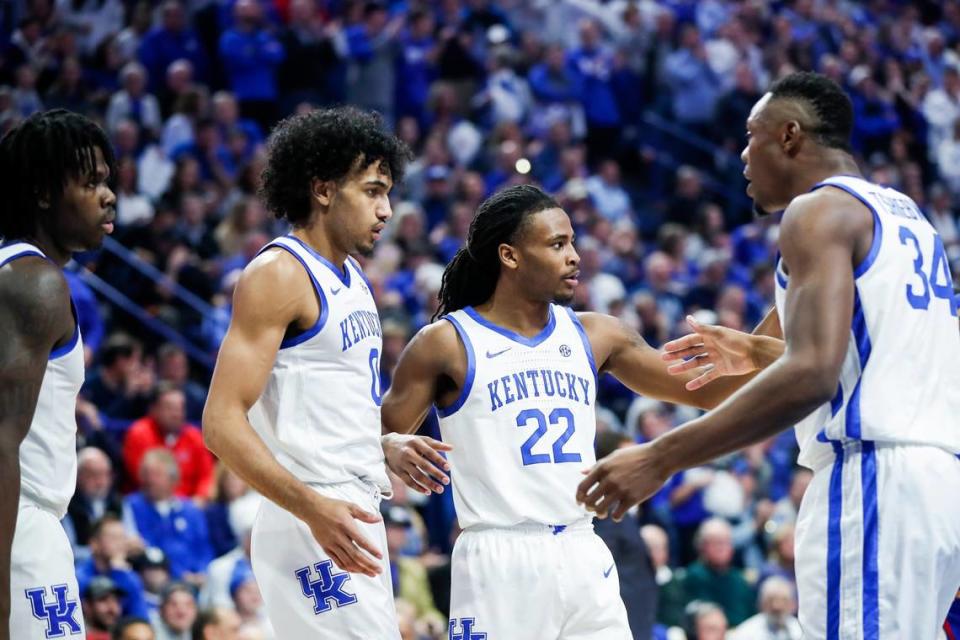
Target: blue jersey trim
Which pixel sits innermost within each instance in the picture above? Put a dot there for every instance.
(837, 401)
(862, 339)
(324, 307)
(471, 370)
(586, 347)
(342, 275)
(516, 337)
(834, 545)
(25, 252)
(871, 256)
(871, 571)
(363, 276)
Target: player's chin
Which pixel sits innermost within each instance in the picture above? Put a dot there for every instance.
(564, 296)
(365, 249)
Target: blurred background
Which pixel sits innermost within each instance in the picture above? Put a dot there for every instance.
(630, 112)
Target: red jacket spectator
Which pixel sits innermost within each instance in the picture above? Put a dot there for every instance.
(165, 426)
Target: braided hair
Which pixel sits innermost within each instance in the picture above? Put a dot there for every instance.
(37, 159)
(471, 276)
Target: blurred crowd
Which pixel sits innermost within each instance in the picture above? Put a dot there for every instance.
(630, 112)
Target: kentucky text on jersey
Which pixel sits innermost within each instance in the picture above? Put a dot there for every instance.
(538, 382)
(357, 326)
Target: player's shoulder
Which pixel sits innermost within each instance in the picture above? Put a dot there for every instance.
(600, 326)
(273, 276)
(826, 214)
(34, 289)
(439, 337)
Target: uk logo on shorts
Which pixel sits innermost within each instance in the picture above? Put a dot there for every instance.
(327, 591)
(59, 615)
(466, 632)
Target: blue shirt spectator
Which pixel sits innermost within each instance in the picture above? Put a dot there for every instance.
(169, 42)
(108, 547)
(251, 55)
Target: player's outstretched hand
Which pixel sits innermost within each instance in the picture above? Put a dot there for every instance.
(623, 479)
(712, 351)
(332, 525)
(417, 460)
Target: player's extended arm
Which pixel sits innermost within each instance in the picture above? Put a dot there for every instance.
(818, 239)
(412, 392)
(623, 353)
(268, 298)
(34, 317)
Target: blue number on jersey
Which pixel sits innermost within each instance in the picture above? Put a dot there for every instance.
(559, 455)
(939, 269)
(374, 362)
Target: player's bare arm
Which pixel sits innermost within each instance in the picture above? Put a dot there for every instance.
(623, 353)
(426, 372)
(822, 237)
(274, 294)
(35, 318)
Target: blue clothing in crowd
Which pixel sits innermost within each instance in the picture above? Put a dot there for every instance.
(181, 533)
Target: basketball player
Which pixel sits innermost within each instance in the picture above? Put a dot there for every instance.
(514, 378)
(294, 404)
(868, 377)
(55, 167)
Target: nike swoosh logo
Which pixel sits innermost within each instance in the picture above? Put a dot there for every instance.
(606, 573)
(497, 353)
(335, 291)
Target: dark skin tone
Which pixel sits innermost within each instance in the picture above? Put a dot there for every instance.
(536, 269)
(823, 236)
(36, 318)
(275, 298)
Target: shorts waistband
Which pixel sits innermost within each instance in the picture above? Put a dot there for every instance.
(826, 457)
(535, 528)
(368, 488)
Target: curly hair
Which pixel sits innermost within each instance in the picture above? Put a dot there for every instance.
(324, 144)
(38, 157)
(833, 108)
(472, 275)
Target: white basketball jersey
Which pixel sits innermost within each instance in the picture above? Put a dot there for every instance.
(900, 380)
(48, 454)
(523, 426)
(319, 412)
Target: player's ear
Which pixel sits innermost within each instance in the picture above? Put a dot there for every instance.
(790, 137)
(508, 256)
(323, 191)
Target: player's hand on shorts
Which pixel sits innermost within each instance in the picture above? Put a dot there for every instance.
(623, 479)
(333, 525)
(712, 351)
(417, 461)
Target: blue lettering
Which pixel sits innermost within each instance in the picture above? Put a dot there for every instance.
(559, 378)
(353, 327)
(495, 401)
(572, 387)
(521, 386)
(532, 374)
(507, 394)
(548, 388)
(586, 390)
(328, 591)
(347, 343)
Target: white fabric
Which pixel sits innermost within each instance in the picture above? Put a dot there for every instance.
(319, 412)
(916, 547)
(282, 544)
(529, 583)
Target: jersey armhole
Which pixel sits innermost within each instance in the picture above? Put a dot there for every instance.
(586, 345)
(471, 370)
(300, 338)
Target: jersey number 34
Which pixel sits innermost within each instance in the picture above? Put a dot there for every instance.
(938, 282)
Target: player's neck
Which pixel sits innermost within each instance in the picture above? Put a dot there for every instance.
(510, 310)
(45, 242)
(829, 163)
(317, 239)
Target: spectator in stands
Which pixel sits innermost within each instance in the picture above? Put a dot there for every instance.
(109, 546)
(372, 51)
(713, 578)
(311, 71)
(174, 367)
(178, 610)
(591, 67)
(165, 426)
(251, 56)
(706, 621)
(168, 522)
(248, 603)
(154, 572)
(101, 607)
(781, 557)
(133, 629)
(94, 498)
(408, 575)
(694, 85)
(218, 623)
(172, 40)
(132, 102)
(776, 620)
(609, 197)
(121, 384)
(786, 509)
(243, 511)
